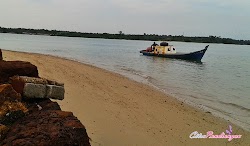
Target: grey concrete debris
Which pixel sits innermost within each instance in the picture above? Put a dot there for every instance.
(34, 90)
(55, 92)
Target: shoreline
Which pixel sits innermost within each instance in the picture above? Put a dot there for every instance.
(140, 80)
(130, 114)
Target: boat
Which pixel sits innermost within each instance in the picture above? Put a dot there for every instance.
(169, 51)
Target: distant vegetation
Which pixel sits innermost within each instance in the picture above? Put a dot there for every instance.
(120, 35)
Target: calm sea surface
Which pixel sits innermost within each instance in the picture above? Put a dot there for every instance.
(220, 84)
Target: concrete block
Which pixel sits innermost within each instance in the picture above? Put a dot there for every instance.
(55, 92)
(34, 90)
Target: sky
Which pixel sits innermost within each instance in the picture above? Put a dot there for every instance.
(224, 18)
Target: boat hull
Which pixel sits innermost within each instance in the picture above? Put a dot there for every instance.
(195, 56)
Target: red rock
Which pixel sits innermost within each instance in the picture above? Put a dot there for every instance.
(11, 117)
(41, 104)
(8, 93)
(54, 128)
(12, 68)
(55, 83)
(3, 130)
(11, 107)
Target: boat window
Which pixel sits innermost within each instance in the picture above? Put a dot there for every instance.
(173, 48)
(168, 49)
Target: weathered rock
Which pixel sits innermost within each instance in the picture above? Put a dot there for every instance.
(34, 80)
(34, 121)
(12, 68)
(55, 83)
(41, 105)
(1, 55)
(11, 107)
(8, 93)
(51, 128)
(3, 130)
(11, 110)
(55, 92)
(11, 117)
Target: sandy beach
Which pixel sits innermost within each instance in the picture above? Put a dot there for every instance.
(118, 111)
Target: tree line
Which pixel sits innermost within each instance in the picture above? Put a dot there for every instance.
(120, 35)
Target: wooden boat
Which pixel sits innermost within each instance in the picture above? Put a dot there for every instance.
(168, 51)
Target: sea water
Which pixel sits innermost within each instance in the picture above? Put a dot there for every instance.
(219, 84)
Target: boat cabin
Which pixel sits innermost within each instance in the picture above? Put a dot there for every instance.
(164, 48)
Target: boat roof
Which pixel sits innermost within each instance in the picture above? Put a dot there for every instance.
(166, 46)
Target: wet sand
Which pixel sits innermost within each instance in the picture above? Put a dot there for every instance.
(118, 111)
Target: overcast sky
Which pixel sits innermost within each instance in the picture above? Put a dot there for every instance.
(225, 18)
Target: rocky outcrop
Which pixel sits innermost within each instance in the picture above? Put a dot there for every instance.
(12, 68)
(28, 116)
(11, 107)
(41, 105)
(37, 122)
(51, 128)
(12, 111)
(3, 130)
(8, 93)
